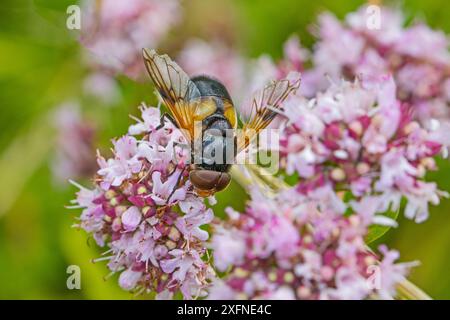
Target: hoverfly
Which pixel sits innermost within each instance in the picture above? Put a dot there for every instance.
(204, 100)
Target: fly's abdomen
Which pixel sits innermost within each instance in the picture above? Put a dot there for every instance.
(218, 150)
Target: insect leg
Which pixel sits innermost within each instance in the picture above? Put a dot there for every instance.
(166, 116)
(176, 185)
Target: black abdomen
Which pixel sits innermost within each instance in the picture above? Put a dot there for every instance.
(218, 150)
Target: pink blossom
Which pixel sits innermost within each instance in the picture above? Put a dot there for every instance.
(116, 33)
(74, 157)
(215, 59)
(419, 41)
(167, 191)
(150, 121)
(189, 225)
(123, 166)
(391, 272)
(144, 210)
(131, 218)
(181, 262)
(358, 137)
(416, 56)
(265, 69)
(102, 86)
(324, 255)
(230, 245)
(128, 279)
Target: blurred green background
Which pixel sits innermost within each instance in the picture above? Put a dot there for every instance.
(41, 67)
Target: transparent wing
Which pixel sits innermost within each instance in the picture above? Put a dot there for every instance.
(178, 92)
(265, 105)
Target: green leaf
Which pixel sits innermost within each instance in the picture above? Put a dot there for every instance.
(377, 231)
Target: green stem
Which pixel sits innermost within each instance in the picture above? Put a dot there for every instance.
(406, 290)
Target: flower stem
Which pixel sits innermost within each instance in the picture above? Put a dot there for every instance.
(407, 290)
(254, 174)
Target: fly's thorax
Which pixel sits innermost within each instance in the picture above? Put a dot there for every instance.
(215, 99)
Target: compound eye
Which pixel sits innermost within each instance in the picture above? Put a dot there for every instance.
(223, 181)
(204, 179)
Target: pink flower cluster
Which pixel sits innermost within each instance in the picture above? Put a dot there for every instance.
(144, 211)
(360, 139)
(74, 156)
(294, 58)
(297, 248)
(417, 57)
(214, 59)
(359, 148)
(116, 31)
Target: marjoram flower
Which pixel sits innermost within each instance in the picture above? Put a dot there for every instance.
(359, 139)
(144, 212)
(288, 247)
